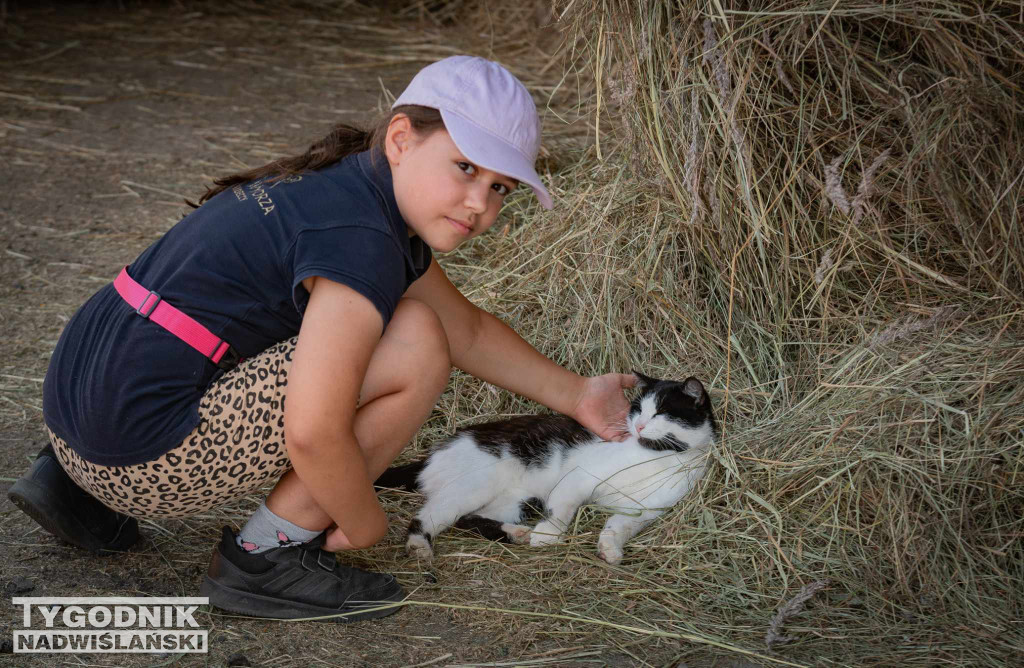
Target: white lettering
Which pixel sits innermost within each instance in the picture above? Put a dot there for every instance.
(99, 624)
(185, 616)
(124, 616)
(79, 641)
(149, 615)
(74, 616)
(110, 641)
(262, 198)
(95, 613)
(49, 612)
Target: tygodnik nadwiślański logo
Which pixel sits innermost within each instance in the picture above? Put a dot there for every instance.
(109, 624)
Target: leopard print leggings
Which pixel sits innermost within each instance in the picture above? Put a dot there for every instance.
(237, 447)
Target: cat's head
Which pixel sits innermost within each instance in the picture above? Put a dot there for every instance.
(671, 415)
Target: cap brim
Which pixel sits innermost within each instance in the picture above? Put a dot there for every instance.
(493, 153)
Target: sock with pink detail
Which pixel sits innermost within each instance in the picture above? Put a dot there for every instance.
(265, 531)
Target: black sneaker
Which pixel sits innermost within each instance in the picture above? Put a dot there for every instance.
(294, 582)
(47, 494)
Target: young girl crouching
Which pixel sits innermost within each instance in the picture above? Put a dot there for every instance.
(295, 327)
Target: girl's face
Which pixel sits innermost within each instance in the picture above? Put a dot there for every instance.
(444, 198)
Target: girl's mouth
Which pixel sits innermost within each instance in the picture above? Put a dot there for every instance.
(461, 227)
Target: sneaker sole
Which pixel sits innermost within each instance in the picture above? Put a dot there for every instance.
(34, 502)
(268, 607)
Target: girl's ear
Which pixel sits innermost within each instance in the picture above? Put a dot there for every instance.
(398, 138)
(644, 383)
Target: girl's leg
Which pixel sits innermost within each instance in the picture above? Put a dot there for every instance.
(408, 371)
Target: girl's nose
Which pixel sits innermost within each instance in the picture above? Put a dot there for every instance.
(476, 200)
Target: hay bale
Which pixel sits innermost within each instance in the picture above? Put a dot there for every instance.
(816, 207)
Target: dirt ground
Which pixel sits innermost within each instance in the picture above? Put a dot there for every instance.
(111, 113)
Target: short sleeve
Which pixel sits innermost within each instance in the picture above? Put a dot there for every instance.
(362, 258)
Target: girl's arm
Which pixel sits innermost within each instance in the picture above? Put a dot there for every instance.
(326, 376)
(485, 347)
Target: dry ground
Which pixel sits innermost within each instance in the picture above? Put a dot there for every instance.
(112, 113)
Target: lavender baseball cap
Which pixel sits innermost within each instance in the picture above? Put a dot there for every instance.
(488, 113)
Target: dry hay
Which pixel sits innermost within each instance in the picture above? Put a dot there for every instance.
(817, 209)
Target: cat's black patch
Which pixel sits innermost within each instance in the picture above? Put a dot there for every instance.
(416, 529)
(530, 438)
(531, 510)
(644, 383)
(484, 527)
(676, 401)
(401, 477)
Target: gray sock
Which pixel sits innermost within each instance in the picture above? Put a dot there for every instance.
(265, 531)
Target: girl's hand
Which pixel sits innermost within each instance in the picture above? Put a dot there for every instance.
(602, 407)
(336, 540)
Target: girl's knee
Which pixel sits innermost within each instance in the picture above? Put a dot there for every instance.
(420, 330)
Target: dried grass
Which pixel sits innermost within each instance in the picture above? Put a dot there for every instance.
(866, 350)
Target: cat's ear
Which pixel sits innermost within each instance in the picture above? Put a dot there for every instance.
(693, 389)
(644, 383)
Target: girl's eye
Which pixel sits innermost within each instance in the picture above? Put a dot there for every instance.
(470, 170)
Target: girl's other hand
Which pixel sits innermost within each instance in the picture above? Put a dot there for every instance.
(336, 540)
(602, 407)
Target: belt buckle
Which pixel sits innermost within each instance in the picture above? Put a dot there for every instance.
(149, 312)
(230, 359)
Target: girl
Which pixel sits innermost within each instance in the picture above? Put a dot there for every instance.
(166, 393)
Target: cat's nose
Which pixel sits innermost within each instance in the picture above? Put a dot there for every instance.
(640, 426)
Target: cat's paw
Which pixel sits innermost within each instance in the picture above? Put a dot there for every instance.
(608, 548)
(419, 547)
(538, 539)
(517, 533)
(609, 552)
(545, 533)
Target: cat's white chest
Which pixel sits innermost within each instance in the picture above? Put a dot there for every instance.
(628, 473)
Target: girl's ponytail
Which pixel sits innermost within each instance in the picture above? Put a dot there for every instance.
(343, 140)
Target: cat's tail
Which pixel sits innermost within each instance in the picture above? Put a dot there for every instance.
(401, 477)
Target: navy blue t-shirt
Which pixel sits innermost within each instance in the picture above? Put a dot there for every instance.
(122, 390)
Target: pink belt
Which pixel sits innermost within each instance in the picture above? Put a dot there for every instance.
(149, 305)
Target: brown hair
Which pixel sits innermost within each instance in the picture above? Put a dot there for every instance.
(343, 140)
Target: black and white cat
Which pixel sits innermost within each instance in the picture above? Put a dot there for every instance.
(489, 477)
